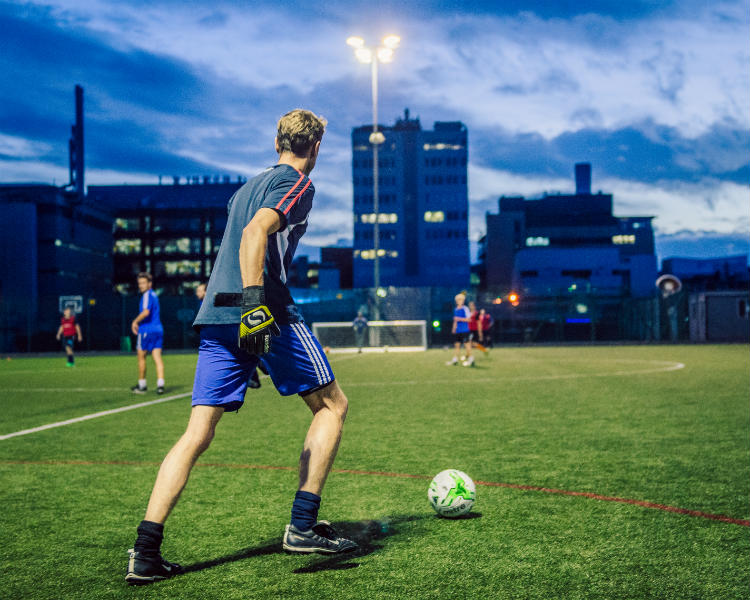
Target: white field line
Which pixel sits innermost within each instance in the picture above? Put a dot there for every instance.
(669, 366)
(95, 415)
(63, 390)
(666, 367)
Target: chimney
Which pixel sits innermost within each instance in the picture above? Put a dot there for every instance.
(75, 148)
(583, 179)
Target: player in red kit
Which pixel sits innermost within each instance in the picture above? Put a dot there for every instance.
(67, 332)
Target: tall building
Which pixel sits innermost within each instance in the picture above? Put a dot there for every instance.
(423, 205)
(171, 231)
(557, 243)
(53, 246)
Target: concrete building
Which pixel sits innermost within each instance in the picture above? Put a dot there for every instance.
(171, 231)
(701, 274)
(53, 246)
(423, 205)
(560, 243)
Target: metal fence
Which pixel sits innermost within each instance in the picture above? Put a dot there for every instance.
(27, 326)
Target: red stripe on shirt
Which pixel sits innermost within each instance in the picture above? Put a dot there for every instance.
(294, 187)
(302, 191)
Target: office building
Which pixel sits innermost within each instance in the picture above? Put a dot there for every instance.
(701, 274)
(550, 246)
(171, 231)
(422, 209)
(54, 246)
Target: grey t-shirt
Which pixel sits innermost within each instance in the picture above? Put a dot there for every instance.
(290, 193)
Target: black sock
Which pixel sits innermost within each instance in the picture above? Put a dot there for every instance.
(150, 535)
(305, 510)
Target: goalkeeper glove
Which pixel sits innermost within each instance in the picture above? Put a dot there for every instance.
(257, 324)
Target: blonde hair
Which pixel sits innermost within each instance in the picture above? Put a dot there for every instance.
(461, 295)
(299, 130)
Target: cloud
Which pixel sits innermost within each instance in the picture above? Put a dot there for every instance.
(661, 116)
(701, 244)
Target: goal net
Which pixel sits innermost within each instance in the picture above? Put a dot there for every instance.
(378, 336)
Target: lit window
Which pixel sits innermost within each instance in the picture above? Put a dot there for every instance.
(623, 239)
(127, 246)
(177, 267)
(370, 254)
(434, 216)
(537, 241)
(441, 146)
(381, 217)
(126, 224)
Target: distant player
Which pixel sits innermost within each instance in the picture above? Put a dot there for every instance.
(485, 324)
(460, 331)
(249, 312)
(200, 293)
(147, 326)
(67, 332)
(475, 329)
(360, 330)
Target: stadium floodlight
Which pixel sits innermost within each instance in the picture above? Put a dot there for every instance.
(355, 41)
(373, 56)
(391, 41)
(385, 55)
(364, 55)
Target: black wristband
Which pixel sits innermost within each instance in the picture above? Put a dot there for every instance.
(253, 295)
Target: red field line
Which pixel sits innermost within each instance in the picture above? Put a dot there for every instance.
(515, 486)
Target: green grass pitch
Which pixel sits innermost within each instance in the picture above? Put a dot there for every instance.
(666, 425)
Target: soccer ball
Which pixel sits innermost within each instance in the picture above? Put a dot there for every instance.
(452, 493)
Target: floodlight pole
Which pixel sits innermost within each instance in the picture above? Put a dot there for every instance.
(375, 55)
(375, 140)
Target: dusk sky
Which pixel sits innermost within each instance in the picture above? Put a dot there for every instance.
(655, 95)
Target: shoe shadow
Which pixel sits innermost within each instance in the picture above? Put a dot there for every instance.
(368, 535)
(273, 548)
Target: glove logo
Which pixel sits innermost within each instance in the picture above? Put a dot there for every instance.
(256, 318)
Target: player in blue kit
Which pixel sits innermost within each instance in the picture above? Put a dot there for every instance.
(460, 331)
(249, 312)
(147, 326)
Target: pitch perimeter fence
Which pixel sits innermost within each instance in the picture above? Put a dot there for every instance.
(30, 325)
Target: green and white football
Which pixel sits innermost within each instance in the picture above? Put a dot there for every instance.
(452, 493)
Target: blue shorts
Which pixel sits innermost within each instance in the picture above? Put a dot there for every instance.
(296, 364)
(149, 340)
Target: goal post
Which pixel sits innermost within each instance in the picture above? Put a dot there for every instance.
(378, 336)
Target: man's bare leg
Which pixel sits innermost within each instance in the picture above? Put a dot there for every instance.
(142, 364)
(305, 533)
(329, 407)
(146, 564)
(175, 469)
(159, 362)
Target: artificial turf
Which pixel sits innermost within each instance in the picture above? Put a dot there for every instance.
(620, 422)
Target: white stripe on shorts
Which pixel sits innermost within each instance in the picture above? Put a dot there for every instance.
(327, 375)
(298, 329)
(312, 351)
